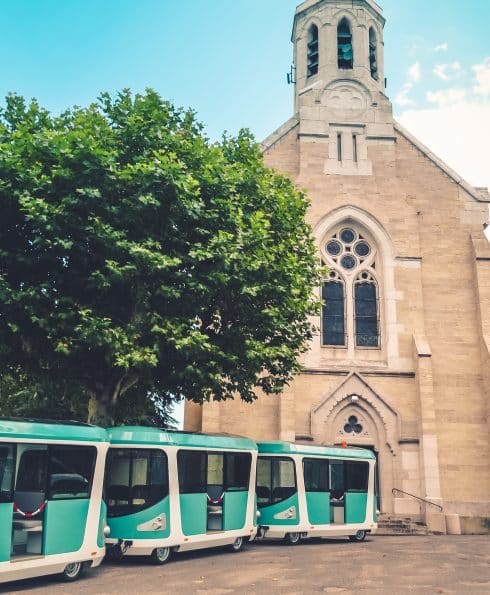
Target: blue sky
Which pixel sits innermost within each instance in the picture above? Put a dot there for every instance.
(227, 59)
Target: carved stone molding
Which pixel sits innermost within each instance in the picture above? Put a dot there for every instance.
(355, 395)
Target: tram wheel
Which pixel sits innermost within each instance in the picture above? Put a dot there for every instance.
(237, 545)
(160, 555)
(72, 571)
(114, 553)
(358, 536)
(292, 538)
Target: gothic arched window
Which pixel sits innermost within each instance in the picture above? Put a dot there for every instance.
(351, 314)
(333, 296)
(312, 54)
(373, 53)
(344, 45)
(366, 310)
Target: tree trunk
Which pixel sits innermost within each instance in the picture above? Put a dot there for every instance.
(101, 405)
(103, 400)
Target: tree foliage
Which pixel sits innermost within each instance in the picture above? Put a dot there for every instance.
(137, 258)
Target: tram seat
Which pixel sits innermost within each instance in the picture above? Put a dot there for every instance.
(145, 494)
(215, 494)
(28, 502)
(118, 494)
(282, 493)
(337, 498)
(263, 494)
(140, 494)
(69, 488)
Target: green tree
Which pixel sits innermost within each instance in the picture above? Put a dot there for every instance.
(137, 258)
(21, 396)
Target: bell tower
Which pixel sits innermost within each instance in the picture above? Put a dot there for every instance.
(340, 84)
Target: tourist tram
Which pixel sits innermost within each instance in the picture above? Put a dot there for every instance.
(69, 492)
(168, 491)
(315, 491)
(51, 510)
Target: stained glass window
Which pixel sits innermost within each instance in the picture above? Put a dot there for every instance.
(366, 315)
(348, 235)
(333, 313)
(348, 262)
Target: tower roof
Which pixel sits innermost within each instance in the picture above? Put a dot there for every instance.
(308, 4)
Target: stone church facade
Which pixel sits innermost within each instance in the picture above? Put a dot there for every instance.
(401, 364)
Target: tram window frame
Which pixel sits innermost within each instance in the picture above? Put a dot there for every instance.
(84, 476)
(351, 475)
(274, 465)
(241, 480)
(160, 491)
(189, 487)
(7, 491)
(316, 462)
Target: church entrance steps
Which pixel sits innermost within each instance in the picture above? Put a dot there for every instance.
(396, 525)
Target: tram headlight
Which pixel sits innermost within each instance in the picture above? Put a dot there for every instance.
(257, 514)
(107, 530)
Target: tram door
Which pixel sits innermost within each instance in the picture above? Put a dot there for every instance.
(29, 500)
(377, 487)
(7, 476)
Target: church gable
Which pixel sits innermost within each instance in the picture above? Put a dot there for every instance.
(477, 194)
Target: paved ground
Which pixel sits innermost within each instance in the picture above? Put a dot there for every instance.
(380, 565)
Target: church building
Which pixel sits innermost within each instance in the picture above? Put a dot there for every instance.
(401, 364)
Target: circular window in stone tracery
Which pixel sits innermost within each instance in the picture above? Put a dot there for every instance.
(362, 249)
(353, 425)
(348, 249)
(348, 235)
(348, 262)
(334, 248)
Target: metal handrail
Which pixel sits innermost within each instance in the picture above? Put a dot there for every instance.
(394, 491)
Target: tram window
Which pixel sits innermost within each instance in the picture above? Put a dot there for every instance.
(357, 474)
(215, 469)
(276, 480)
(237, 471)
(192, 468)
(7, 471)
(264, 481)
(136, 479)
(316, 475)
(337, 478)
(32, 472)
(71, 469)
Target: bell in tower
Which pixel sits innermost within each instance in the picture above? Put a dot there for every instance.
(339, 95)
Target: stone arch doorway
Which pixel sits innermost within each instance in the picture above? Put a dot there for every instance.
(354, 413)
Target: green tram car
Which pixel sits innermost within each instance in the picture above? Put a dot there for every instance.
(315, 491)
(169, 491)
(51, 508)
(70, 492)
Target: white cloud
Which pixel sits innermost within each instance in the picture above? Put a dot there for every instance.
(457, 133)
(402, 98)
(443, 47)
(482, 75)
(447, 97)
(447, 72)
(413, 74)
